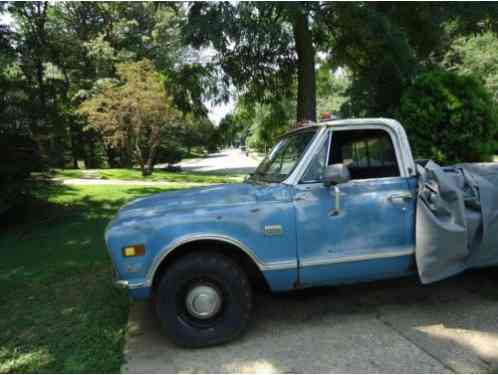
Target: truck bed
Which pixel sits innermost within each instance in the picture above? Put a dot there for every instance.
(456, 218)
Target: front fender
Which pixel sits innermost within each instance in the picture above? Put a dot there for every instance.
(262, 228)
(245, 227)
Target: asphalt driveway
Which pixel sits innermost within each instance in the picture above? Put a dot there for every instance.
(389, 326)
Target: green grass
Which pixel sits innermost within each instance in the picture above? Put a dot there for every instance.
(158, 175)
(59, 311)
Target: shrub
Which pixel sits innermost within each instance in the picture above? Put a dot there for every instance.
(449, 118)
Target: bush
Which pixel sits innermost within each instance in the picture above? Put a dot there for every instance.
(170, 150)
(449, 118)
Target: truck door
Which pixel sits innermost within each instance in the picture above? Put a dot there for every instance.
(370, 234)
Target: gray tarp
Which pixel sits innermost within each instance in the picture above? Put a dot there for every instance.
(457, 219)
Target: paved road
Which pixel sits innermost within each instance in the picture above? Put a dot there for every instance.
(390, 326)
(226, 161)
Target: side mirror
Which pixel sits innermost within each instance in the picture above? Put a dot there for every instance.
(336, 174)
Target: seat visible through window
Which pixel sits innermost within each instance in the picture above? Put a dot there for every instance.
(366, 153)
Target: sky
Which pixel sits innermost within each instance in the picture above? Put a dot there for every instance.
(5, 19)
(218, 111)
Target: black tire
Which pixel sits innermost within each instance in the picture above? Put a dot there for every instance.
(206, 268)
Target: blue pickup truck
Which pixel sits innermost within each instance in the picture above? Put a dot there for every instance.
(332, 203)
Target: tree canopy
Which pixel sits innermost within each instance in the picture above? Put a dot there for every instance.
(450, 118)
(476, 55)
(134, 113)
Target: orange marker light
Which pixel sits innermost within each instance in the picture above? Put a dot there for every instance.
(133, 250)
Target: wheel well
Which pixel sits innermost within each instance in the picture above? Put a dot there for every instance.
(253, 272)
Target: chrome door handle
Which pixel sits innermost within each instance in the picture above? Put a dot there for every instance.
(401, 197)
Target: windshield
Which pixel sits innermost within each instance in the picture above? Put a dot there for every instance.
(282, 160)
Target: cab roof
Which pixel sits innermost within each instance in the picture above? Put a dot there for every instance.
(391, 123)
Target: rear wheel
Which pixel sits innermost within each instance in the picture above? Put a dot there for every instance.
(203, 299)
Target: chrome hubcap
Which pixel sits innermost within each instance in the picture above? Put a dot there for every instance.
(203, 302)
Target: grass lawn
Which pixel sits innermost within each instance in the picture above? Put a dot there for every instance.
(59, 311)
(158, 175)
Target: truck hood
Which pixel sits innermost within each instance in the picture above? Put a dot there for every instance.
(203, 197)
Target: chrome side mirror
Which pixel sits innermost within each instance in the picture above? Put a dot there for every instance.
(336, 174)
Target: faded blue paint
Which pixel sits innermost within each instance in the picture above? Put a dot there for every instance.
(238, 211)
(372, 238)
(368, 223)
(359, 271)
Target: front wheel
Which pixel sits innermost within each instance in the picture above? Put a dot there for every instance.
(203, 299)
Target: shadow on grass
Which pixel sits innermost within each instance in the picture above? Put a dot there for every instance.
(59, 309)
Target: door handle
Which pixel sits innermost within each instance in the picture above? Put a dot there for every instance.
(399, 198)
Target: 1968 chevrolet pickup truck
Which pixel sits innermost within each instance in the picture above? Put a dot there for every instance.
(332, 203)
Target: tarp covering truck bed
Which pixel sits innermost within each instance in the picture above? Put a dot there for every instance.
(456, 219)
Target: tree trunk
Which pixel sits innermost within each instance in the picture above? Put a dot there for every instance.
(154, 143)
(73, 142)
(89, 150)
(306, 90)
(112, 155)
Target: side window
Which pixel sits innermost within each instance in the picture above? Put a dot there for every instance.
(366, 153)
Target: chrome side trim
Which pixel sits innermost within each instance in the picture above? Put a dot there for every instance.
(279, 265)
(268, 266)
(125, 284)
(354, 258)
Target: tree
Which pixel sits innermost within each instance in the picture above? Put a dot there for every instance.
(42, 83)
(449, 118)
(134, 113)
(107, 34)
(261, 47)
(269, 122)
(197, 131)
(62, 49)
(306, 85)
(20, 155)
(476, 55)
(260, 124)
(332, 87)
(230, 129)
(386, 45)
